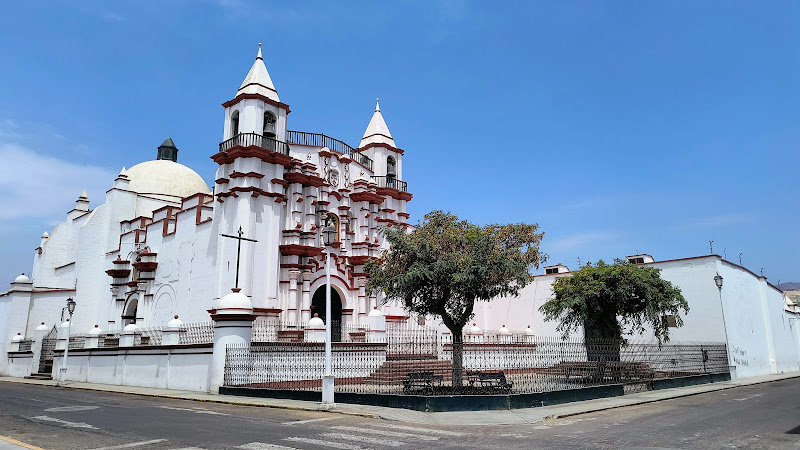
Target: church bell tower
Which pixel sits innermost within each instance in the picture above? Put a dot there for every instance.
(250, 189)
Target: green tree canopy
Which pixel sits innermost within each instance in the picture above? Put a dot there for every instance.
(443, 266)
(609, 300)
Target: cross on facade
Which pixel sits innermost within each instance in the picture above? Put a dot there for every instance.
(238, 250)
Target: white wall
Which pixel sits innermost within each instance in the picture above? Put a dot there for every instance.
(165, 368)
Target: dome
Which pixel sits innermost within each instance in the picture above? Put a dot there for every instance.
(474, 329)
(65, 324)
(529, 331)
(175, 323)
(22, 279)
(235, 303)
(17, 338)
(131, 327)
(95, 331)
(166, 178)
(504, 330)
(375, 312)
(42, 327)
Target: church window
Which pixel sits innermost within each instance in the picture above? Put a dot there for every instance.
(235, 124)
(390, 167)
(333, 220)
(269, 125)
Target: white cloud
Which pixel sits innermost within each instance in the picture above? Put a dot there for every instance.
(34, 185)
(579, 240)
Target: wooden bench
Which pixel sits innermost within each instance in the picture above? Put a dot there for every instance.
(424, 381)
(494, 380)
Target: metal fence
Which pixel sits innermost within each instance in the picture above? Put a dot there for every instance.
(197, 333)
(284, 332)
(412, 363)
(25, 345)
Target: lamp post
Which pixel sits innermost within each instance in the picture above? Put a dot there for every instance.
(63, 371)
(328, 236)
(718, 282)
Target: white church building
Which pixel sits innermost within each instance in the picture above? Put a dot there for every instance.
(163, 243)
(155, 247)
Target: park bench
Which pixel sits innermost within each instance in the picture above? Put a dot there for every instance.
(424, 381)
(585, 370)
(492, 381)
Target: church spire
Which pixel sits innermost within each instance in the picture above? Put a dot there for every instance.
(377, 132)
(258, 81)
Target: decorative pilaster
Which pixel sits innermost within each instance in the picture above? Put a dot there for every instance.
(306, 296)
(293, 297)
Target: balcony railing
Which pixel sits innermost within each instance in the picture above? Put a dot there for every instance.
(257, 140)
(321, 140)
(391, 182)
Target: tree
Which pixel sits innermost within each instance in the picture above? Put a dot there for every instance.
(443, 266)
(611, 299)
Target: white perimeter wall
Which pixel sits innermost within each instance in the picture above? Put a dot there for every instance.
(165, 368)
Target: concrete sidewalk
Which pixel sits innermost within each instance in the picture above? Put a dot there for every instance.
(494, 417)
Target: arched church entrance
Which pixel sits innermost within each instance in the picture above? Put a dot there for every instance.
(318, 307)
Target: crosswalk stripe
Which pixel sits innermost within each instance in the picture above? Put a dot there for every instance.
(263, 446)
(387, 433)
(132, 444)
(422, 430)
(364, 439)
(321, 443)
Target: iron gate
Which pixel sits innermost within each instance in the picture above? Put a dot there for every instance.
(48, 347)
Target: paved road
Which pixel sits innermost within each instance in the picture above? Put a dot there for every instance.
(758, 416)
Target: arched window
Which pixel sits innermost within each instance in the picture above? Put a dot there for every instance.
(269, 125)
(333, 220)
(390, 167)
(235, 124)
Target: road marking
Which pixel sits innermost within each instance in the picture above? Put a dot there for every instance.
(197, 411)
(387, 433)
(748, 397)
(20, 443)
(338, 445)
(300, 422)
(541, 427)
(65, 423)
(71, 408)
(364, 439)
(263, 446)
(423, 430)
(132, 444)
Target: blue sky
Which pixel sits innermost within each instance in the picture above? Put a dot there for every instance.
(618, 127)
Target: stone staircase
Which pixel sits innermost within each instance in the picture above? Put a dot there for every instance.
(40, 376)
(395, 370)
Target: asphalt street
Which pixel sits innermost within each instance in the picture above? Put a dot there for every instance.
(758, 416)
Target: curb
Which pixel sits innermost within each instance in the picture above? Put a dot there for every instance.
(677, 395)
(20, 443)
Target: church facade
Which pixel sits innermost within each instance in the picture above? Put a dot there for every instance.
(163, 243)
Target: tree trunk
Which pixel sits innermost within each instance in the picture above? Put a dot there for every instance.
(458, 359)
(603, 342)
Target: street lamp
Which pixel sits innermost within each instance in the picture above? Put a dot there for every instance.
(63, 372)
(328, 236)
(718, 282)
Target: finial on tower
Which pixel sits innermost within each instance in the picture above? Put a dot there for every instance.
(377, 105)
(259, 52)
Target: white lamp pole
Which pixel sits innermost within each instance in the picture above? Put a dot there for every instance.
(328, 234)
(718, 282)
(63, 372)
